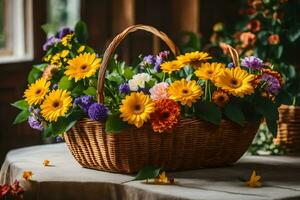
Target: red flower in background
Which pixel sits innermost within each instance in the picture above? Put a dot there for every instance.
(247, 39)
(274, 39)
(254, 26)
(256, 4)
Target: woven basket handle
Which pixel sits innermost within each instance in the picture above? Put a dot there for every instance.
(233, 53)
(115, 43)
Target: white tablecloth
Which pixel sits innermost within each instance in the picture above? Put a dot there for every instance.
(66, 179)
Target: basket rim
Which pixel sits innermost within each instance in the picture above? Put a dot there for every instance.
(183, 122)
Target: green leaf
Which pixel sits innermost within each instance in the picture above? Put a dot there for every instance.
(21, 104)
(267, 108)
(47, 131)
(235, 113)
(128, 73)
(208, 111)
(33, 75)
(81, 32)
(294, 33)
(90, 91)
(115, 77)
(22, 116)
(40, 67)
(65, 83)
(78, 90)
(64, 124)
(279, 51)
(272, 126)
(147, 172)
(114, 124)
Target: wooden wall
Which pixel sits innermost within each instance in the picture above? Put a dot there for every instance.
(106, 18)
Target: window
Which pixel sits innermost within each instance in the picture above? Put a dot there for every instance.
(2, 24)
(15, 30)
(62, 13)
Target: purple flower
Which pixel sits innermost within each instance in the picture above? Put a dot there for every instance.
(77, 101)
(37, 111)
(150, 60)
(252, 62)
(50, 42)
(272, 83)
(230, 65)
(59, 139)
(124, 88)
(31, 108)
(144, 90)
(63, 32)
(34, 123)
(157, 64)
(98, 112)
(84, 102)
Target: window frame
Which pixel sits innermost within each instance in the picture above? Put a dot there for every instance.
(18, 27)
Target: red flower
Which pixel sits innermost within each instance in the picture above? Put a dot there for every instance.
(274, 39)
(16, 189)
(4, 190)
(256, 4)
(254, 26)
(166, 115)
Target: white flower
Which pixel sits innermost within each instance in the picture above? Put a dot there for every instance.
(138, 80)
(133, 85)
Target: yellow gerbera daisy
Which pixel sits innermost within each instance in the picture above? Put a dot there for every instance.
(209, 71)
(194, 58)
(82, 66)
(136, 108)
(235, 81)
(187, 92)
(36, 92)
(56, 104)
(171, 66)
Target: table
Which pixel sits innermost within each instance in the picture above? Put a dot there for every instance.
(66, 179)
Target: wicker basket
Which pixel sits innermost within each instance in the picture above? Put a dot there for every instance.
(289, 128)
(193, 144)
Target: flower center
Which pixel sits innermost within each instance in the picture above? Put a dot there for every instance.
(235, 83)
(209, 72)
(83, 67)
(38, 91)
(165, 115)
(137, 109)
(185, 91)
(221, 98)
(55, 104)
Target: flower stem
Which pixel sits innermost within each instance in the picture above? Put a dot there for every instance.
(209, 91)
(206, 90)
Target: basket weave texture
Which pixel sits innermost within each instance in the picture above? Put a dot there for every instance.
(192, 144)
(289, 128)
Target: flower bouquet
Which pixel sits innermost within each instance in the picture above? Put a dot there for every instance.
(176, 111)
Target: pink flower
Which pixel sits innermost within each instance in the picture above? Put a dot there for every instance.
(159, 91)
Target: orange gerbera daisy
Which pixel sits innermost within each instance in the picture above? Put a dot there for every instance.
(220, 98)
(166, 115)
